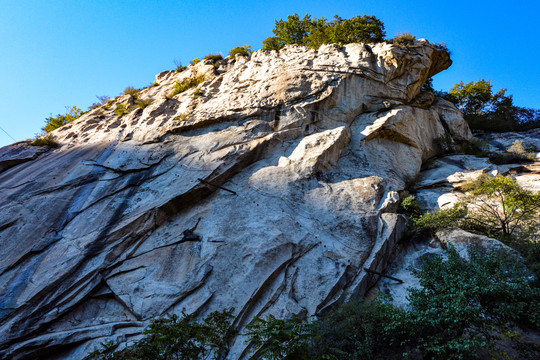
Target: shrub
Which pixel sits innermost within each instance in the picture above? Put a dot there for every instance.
(179, 67)
(405, 39)
(131, 91)
(53, 123)
(47, 140)
(240, 50)
(441, 218)
(121, 110)
(108, 104)
(183, 116)
(358, 330)
(176, 338)
(197, 94)
(155, 84)
(445, 143)
(195, 61)
(142, 103)
(464, 304)
(474, 147)
(213, 57)
(186, 84)
(277, 339)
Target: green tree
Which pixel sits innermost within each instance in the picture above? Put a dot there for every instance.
(488, 111)
(499, 206)
(313, 32)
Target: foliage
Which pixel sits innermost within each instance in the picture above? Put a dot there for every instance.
(53, 123)
(313, 32)
(108, 104)
(240, 50)
(186, 84)
(121, 110)
(474, 147)
(496, 206)
(179, 67)
(405, 39)
(515, 154)
(195, 61)
(213, 57)
(462, 304)
(142, 103)
(47, 140)
(279, 339)
(197, 94)
(183, 116)
(176, 338)
(358, 330)
(131, 91)
(487, 111)
(410, 208)
(499, 206)
(442, 218)
(445, 143)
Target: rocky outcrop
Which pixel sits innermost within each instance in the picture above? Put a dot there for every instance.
(440, 186)
(286, 169)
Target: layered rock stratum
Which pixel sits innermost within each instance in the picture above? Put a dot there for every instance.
(286, 173)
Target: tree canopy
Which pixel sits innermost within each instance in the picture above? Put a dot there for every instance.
(313, 32)
(488, 111)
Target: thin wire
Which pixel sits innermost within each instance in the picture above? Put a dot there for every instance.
(7, 134)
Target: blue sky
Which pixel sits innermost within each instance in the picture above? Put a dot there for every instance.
(63, 53)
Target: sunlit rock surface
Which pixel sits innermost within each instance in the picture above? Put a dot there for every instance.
(314, 146)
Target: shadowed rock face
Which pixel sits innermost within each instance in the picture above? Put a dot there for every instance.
(315, 144)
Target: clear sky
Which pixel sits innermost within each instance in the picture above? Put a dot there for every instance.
(63, 53)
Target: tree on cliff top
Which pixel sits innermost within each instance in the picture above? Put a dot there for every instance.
(488, 111)
(313, 32)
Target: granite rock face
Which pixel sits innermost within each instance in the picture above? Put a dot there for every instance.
(314, 146)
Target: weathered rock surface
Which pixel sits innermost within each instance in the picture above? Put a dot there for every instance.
(315, 145)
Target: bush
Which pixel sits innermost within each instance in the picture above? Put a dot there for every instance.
(463, 304)
(474, 147)
(155, 84)
(358, 330)
(405, 39)
(186, 84)
(131, 91)
(213, 57)
(121, 110)
(142, 103)
(195, 61)
(197, 94)
(53, 123)
(240, 50)
(278, 339)
(176, 338)
(47, 140)
(179, 67)
(314, 32)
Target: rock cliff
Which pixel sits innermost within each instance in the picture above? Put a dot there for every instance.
(270, 193)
